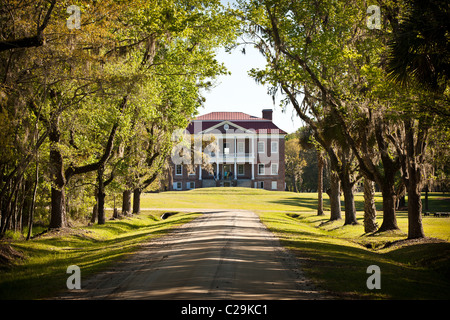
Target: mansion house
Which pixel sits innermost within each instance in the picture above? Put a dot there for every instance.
(248, 152)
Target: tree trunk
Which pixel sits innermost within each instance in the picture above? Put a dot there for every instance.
(370, 211)
(101, 196)
(137, 200)
(14, 209)
(5, 204)
(415, 229)
(349, 202)
(33, 201)
(28, 195)
(389, 218)
(58, 211)
(126, 202)
(60, 177)
(320, 184)
(22, 206)
(101, 207)
(401, 202)
(385, 178)
(95, 211)
(6, 220)
(414, 163)
(115, 212)
(335, 196)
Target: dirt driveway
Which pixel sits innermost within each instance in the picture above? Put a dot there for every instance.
(222, 254)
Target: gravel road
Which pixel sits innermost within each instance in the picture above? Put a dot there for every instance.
(223, 254)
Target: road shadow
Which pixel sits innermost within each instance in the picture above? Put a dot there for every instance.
(311, 202)
(222, 255)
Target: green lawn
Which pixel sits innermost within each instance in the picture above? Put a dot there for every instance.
(42, 271)
(334, 256)
(233, 198)
(337, 256)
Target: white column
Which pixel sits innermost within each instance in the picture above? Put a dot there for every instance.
(235, 158)
(253, 170)
(199, 172)
(217, 160)
(217, 170)
(253, 157)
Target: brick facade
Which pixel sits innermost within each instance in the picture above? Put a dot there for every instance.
(251, 148)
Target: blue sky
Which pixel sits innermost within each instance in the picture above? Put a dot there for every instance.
(239, 92)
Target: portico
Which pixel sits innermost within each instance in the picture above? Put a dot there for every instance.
(246, 153)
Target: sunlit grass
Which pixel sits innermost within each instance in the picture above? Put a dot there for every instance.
(335, 256)
(42, 272)
(232, 198)
(290, 202)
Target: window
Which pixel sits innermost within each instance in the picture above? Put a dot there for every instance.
(190, 185)
(274, 148)
(241, 147)
(226, 148)
(259, 184)
(261, 168)
(274, 168)
(240, 169)
(177, 186)
(179, 170)
(261, 146)
(274, 185)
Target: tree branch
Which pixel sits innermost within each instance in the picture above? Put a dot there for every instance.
(327, 97)
(106, 154)
(28, 42)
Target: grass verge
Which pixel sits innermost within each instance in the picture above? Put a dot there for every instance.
(40, 265)
(336, 257)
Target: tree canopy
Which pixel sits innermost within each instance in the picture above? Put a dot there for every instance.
(332, 68)
(92, 91)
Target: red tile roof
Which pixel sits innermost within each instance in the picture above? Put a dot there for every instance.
(259, 125)
(227, 116)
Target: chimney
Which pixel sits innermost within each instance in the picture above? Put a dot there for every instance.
(267, 114)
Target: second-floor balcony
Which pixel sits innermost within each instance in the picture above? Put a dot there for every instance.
(230, 157)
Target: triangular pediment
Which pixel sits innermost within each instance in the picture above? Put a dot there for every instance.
(226, 126)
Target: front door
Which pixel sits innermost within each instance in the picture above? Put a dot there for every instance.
(226, 171)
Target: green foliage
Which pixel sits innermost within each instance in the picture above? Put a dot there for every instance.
(333, 69)
(134, 72)
(42, 271)
(295, 164)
